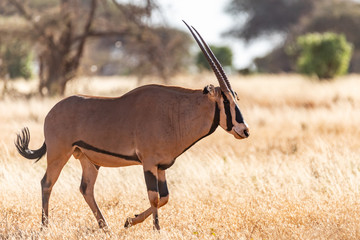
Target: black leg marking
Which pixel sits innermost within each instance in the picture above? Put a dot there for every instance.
(151, 181)
(83, 187)
(156, 223)
(163, 190)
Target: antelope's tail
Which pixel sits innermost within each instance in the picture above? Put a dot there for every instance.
(22, 145)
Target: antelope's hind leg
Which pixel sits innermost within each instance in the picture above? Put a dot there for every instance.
(153, 182)
(55, 164)
(89, 175)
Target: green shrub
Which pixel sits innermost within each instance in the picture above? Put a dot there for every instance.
(222, 53)
(17, 59)
(326, 55)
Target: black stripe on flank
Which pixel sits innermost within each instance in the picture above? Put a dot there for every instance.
(95, 149)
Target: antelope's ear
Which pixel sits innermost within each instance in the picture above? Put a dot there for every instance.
(209, 89)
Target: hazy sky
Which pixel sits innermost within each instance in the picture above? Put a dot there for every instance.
(210, 19)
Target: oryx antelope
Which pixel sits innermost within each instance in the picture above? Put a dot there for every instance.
(150, 126)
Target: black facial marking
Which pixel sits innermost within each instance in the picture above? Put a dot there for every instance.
(151, 181)
(95, 149)
(239, 117)
(229, 124)
(163, 190)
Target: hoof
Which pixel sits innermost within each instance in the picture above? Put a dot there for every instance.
(103, 225)
(156, 225)
(128, 223)
(44, 228)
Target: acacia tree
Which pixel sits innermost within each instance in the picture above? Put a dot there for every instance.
(59, 39)
(60, 29)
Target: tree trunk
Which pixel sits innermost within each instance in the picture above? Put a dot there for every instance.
(52, 73)
(56, 84)
(60, 59)
(5, 86)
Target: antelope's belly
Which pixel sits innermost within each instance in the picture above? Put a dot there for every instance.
(106, 159)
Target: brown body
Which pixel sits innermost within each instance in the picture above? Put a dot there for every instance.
(149, 126)
(141, 124)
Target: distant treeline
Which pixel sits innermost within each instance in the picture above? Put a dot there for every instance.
(291, 19)
(62, 38)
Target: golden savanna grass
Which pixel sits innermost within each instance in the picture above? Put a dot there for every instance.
(296, 177)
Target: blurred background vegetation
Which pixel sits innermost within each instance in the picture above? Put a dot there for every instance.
(57, 40)
(291, 19)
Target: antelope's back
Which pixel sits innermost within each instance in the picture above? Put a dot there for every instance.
(147, 112)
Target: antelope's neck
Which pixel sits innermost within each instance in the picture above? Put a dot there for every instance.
(202, 119)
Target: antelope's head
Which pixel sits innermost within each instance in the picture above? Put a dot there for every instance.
(231, 118)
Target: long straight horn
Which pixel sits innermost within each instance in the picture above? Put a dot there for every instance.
(215, 69)
(216, 61)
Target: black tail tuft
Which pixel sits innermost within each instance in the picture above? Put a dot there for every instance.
(22, 145)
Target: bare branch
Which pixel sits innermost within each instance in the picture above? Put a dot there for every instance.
(109, 33)
(132, 12)
(85, 34)
(21, 8)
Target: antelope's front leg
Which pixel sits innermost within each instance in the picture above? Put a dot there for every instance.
(153, 194)
(164, 198)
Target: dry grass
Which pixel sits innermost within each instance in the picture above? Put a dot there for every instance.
(296, 177)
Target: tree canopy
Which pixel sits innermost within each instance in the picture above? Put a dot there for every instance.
(266, 16)
(59, 31)
(293, 18)
(325, 55)
(222, 53)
